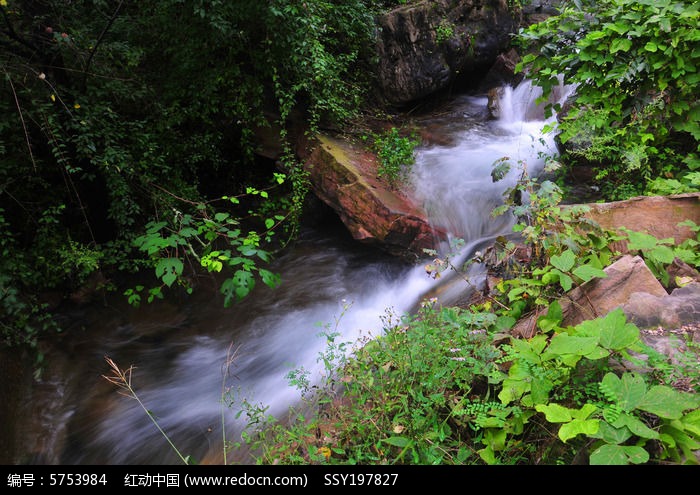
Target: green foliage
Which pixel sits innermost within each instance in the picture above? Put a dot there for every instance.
(567, 249)
(112, 123)
(635, 115)
(215, 241)
(396, 153)
(658, 254)
(448, 386)
(444, 32)
(438, 389)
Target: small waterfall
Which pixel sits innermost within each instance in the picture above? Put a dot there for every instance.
(454, 183)
(520, 104)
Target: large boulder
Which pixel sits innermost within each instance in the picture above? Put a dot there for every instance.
(659, 216)
(425, 47)
(630, 286)
(344, 175)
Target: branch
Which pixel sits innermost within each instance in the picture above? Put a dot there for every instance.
(99, 40)
(21, 118)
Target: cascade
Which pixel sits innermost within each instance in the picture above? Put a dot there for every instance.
(191, 361)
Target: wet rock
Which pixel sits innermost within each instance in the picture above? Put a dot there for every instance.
(424, 47)
(344, 175)
(659, 216)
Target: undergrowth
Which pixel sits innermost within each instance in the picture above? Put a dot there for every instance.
(456, 385)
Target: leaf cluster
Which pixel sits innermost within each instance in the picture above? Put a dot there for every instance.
(635, 116)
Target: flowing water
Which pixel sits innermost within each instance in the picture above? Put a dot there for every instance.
(187, 354)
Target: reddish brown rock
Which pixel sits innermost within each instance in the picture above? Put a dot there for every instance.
(655, 215)
(343, 175)
(626, 277)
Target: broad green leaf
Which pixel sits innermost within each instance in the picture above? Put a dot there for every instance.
(530, 350)
(588, 272)
(270, 279)
(565, 281)
(247, 250)
(565, 261)
(400, 442)
(618, 455)
(153, 227)
(629, 390)
(488, 455)
(496, 439)
(584, 412)
(555, 413)
(664, 254)
(567, 344)
(618, 27)
(577, 427)
(540, 388)
(188, 232)
(612, 435)
(643, 241)
(168, 269)
(637, 426)
(616, 333)
(169, 278)
(667, 402)
(237, 287)
(620, 44)
(651, 47)
(513, 390)
(552, 319)
(595, 35)
(680, 438)
(691, 422)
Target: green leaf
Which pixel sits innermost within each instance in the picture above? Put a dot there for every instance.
(644, 242)
(540, 388)
(667, 402)
(629, 390)
(565, 281)
(564, 343)
(596, 35)
(618, 455)
(168, 269)
(620, 44)
(615, 333)
(691, 422)
(588, 272)
(609, 434)
(555, 413)
(188, 232)
(637, 426)
(552, 319)
(664, 254)
(577, 427)
(400, 442)
(565, 261)
(270, 279)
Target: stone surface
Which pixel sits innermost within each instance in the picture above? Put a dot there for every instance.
(599, 296)
(343, 175)
(655, 215)
(424, 47)
(675, 310)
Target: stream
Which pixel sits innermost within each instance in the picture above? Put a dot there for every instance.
(190, 354)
